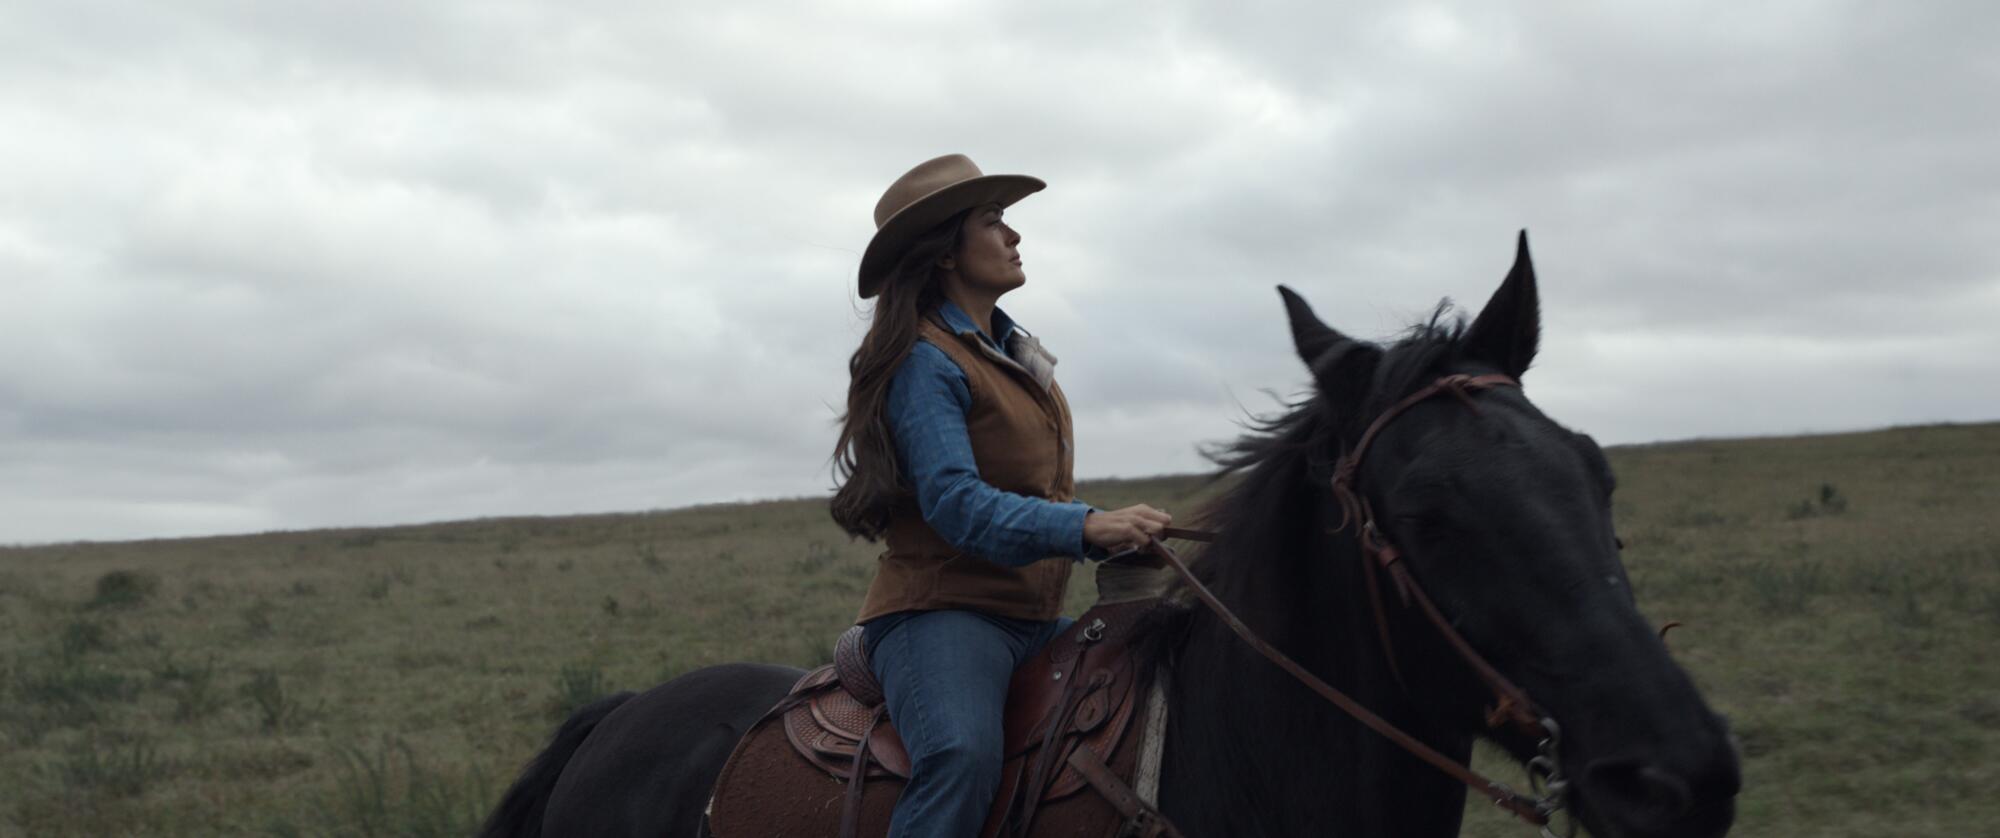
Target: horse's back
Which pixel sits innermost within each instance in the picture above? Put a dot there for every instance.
(648, 767)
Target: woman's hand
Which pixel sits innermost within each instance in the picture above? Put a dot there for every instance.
(1125, 529)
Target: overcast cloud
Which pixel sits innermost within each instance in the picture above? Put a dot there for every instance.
(275, 265)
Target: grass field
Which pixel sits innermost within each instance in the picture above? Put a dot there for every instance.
(1840, 594)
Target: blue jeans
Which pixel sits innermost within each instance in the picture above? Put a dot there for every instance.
(944, 676)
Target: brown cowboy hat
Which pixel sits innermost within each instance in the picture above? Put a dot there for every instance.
(923, 197)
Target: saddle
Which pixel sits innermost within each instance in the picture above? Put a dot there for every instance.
(827, 761)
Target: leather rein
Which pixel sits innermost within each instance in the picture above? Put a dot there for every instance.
(1511, 703)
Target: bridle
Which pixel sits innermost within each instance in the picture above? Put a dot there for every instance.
(1511, 703)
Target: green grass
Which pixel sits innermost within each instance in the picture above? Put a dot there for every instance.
(1840, 597)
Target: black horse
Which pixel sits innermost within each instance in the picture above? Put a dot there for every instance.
(1503, 516)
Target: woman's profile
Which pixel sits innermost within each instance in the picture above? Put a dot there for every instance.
(956, 452)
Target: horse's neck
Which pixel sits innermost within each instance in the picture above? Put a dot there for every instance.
(1251, 751)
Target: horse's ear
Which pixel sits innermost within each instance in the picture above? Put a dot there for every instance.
(1509, 329)
(1312, 337)
(1342, 366)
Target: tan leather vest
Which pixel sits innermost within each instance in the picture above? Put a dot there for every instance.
(1021, 443)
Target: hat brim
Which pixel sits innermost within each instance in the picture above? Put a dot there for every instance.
(930, 210)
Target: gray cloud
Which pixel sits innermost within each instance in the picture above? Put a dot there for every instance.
(270, 266)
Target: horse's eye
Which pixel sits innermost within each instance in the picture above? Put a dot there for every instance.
(1418, 523)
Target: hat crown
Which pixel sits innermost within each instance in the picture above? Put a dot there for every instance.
(925, 197)
(928, 177)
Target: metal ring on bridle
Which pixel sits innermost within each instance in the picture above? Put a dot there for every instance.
(1546, 780)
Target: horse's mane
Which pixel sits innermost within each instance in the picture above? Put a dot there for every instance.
(1279, 458)
(1310, 431)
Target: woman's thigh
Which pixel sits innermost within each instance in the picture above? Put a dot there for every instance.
(944, 676)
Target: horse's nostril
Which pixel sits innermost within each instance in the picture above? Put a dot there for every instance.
(1637, 787)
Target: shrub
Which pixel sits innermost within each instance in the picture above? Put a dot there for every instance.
(649, 556)
(1828, 502)
(818, 653)
(1696, 518)
(1906, 608)
(377, 586)
(359, 541)
(52, 691)
(24, 727)
(68, 690)
(276, 710)
(816, 558)
(1983, 711)
(1875, 578)
(115, 768)
(192, 688)
(391, 793)
(82, 636)
(124, 588)
(1779, 589)
(576, 685)
(257, 618)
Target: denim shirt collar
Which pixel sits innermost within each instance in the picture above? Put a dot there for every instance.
(1021, 350)
(960, 322)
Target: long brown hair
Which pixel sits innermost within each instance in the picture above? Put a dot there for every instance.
(868, 472)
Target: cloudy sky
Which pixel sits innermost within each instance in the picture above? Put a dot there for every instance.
(275, 265)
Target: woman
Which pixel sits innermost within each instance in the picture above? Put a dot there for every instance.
(956, 450)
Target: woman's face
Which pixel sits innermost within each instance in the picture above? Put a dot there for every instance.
(988, 258)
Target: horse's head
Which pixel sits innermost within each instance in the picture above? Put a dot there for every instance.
(1504, 518)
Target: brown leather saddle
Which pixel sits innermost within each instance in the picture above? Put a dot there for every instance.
(803, 769)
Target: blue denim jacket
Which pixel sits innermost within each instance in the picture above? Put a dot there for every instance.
(926, 407)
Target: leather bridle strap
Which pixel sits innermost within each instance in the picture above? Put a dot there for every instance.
(1458, 385)
(1511, 703)
(1526, 808)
